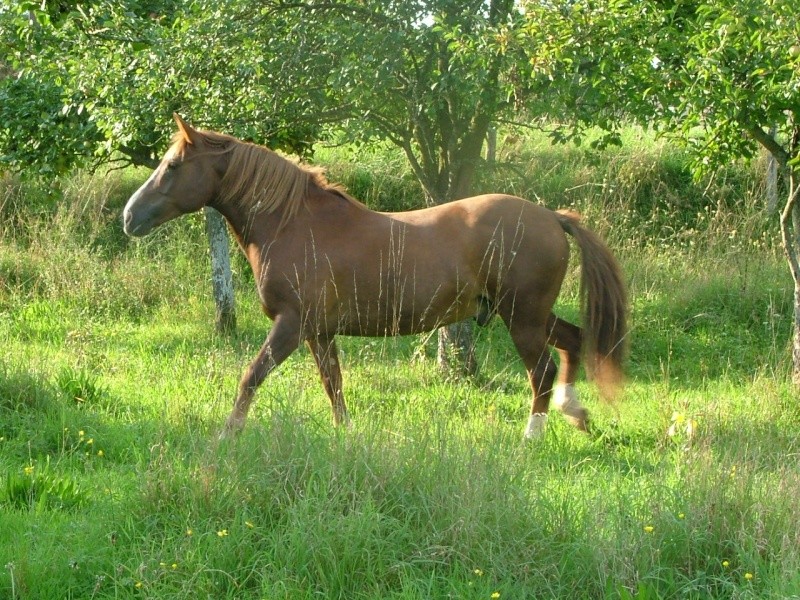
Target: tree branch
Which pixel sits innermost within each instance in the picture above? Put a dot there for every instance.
(768, 142)
(417, 168)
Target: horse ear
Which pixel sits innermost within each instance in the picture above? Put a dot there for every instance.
(187, 131)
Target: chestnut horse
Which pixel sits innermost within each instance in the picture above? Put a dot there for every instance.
(325, 264)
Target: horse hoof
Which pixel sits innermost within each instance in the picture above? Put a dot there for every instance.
(565, 397)
(343, 423)
(580, 422)
(231, 430)
(537, 423)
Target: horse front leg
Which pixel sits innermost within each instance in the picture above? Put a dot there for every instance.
(283, 339)
(326, 356)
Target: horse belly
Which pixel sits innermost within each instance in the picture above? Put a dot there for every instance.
(405, 306)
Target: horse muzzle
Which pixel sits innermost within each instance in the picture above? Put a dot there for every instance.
(146, 211)
(134, 225)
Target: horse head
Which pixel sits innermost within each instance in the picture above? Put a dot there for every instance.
(186, 180)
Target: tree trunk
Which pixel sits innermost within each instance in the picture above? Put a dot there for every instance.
(793, 206)
(789, 220)
(790, 228)
(221, 277)
(491, 145)
(796, 337)
(456, 350)
(772, 178)
(772, 184)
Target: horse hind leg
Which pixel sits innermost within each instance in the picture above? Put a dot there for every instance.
(567, 339)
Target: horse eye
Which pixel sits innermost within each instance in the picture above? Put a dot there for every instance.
(172, 165)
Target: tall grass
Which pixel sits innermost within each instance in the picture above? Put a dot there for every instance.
(113, 386)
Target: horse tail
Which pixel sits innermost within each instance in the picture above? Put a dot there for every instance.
(604, 306)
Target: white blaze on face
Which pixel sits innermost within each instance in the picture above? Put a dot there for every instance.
(152, 181)
(127, 213)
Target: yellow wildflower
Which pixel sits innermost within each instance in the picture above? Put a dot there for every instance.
(748, 576)
(495, 595)
(222, 532)
(681, 424)
(29, 470)
(100, 453)
(189, 532)
(478, 572)
(726, 564)
(249, 524)
(648, 528)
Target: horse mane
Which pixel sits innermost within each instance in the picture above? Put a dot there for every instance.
(261, 180)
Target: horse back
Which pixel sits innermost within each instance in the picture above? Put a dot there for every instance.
(370, 273)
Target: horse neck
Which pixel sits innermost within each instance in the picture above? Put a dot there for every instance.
(248, 225)
(260, 227)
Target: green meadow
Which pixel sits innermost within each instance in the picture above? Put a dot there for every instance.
(114, 387)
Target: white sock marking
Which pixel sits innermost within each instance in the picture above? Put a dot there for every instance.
(536, 425)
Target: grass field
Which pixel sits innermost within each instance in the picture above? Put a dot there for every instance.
(113, 387)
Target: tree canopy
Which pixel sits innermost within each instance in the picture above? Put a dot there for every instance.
(715, 75)
(94, 81)
(90, 79)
